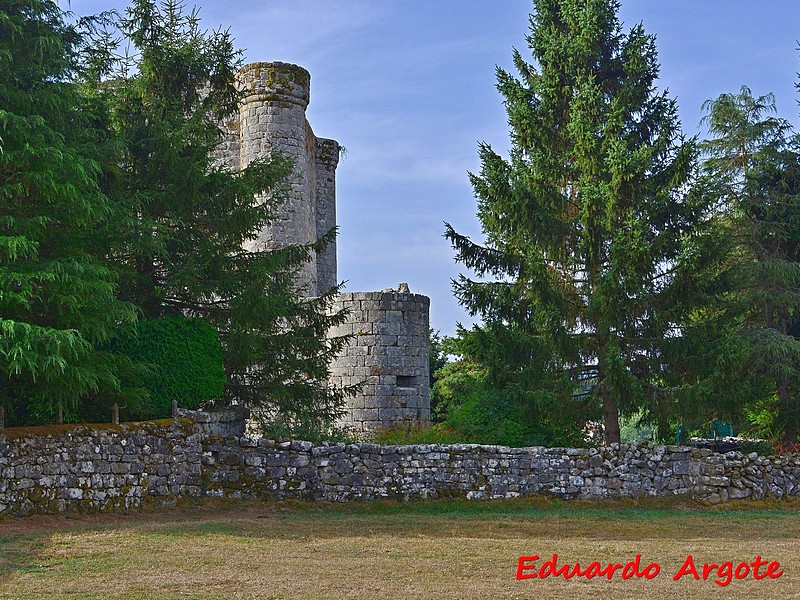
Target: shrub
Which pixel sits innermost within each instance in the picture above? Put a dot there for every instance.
(307, 431)
(182, 360)
(474, 409)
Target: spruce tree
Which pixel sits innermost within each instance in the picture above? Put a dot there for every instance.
(183, 218)
(587, 223)
(753, 160)
(57, 296)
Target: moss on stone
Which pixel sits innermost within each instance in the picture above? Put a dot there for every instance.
(157, 427)
(20, 433)
(280, 71)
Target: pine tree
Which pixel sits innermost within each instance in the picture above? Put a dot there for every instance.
(753, 159)
(590, 236)
(184, 218)
(57, 297)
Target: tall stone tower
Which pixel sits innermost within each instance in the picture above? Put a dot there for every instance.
(272, 120)
(389, 351)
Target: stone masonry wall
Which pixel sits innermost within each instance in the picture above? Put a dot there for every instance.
(67, 468)
(338, 472)
(78, 469)
(231, 420)
(389, 354)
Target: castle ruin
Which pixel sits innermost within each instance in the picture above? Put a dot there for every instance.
(389, 350)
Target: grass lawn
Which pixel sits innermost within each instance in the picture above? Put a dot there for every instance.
(433, 549)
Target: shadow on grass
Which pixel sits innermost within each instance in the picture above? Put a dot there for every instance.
(22, 554)
(199, 521)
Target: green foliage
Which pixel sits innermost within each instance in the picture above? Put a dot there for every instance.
(437, 355)
(753, 169)
(453, 383)
(182, 219)
(57, 296)
(762, 418)
(400, 436)
(761, 447)
(634, 430)
(184, 363)
(494, 416)
(593, 249)
(437, 360)
(308, 430)
(474, 407)
(469, 407)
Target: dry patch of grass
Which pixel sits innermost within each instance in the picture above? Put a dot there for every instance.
(442, 549)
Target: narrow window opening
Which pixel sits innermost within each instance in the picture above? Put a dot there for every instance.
(406, 381)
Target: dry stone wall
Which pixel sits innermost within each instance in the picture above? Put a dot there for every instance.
(76, 468)
(81, 469)
(338, 472)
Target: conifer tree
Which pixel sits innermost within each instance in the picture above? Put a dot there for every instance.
(57, 297)
(753, 160)
(183, 218)
(590, 236)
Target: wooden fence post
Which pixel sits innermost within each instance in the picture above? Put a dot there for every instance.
(2, 417)
(174, 409)
(60, 414)
(115, 413)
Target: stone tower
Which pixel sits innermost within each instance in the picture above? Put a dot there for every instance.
(389, 352)
(272, 120)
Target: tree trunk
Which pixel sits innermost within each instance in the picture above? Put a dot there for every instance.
(787, 408)
(787, 412)
(611, 434)
(146, 282)
(610, 419)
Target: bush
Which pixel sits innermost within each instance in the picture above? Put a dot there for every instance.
(305, 430)
(473, 409)
(401, 436)
(182, 360)
(761, 447)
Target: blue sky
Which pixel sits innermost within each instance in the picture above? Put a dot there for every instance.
(408, 88)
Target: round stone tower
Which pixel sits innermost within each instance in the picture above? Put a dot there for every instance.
(272, 120)
(389, 354)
